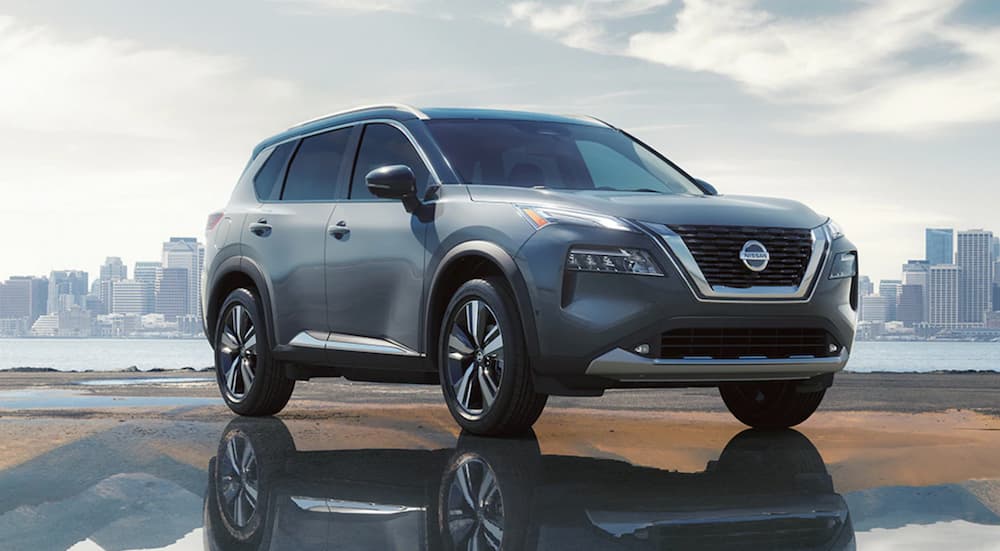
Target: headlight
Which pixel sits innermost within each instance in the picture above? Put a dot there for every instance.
(844, 265)
(543, 216)
(612, 260)
(834, 230)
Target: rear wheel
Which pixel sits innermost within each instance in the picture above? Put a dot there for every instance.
(483, 364)
(251, 382)
(770, 404)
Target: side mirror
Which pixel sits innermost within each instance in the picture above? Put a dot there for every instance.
(392, 182)
(706, 187)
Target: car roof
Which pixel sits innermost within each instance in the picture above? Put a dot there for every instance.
(401, 112)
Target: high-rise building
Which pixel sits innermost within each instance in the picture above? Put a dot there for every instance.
(129, 296)
(942, 291)
(172, 298)
(148, 272)
(939, 244)
(865, 286)
(66, 289)
(911, 305)
(974, 256)
(187, 253)
(915, 273)
(890, 288)
(23, 297)
(874, 308)
(112, 270)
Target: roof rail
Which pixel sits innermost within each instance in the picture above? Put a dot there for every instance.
(398, 106)
(591, 118)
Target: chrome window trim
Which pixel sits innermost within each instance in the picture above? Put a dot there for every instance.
(351, 343)
(397, 106)
(396, 124)
(676, 250)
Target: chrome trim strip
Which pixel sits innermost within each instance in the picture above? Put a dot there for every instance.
(398, 106)
(309, 339)
(351, 343)
(354, 343)
(674, 247)
(343, 506)
(623, 365)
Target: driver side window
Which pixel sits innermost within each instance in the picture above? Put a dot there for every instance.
(383, 145)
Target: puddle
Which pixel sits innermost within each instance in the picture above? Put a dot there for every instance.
(62, 399)
(147, 381)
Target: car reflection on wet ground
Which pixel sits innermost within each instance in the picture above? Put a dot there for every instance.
(178, 474)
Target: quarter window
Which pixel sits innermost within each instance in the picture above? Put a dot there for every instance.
(266, 179)
(312, 176)
(384, 145)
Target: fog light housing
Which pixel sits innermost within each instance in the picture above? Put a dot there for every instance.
(612, 260)
(641, 349)
(844, 265)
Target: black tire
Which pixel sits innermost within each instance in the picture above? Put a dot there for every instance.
(269, 390)
(515, 406)
(770, 404)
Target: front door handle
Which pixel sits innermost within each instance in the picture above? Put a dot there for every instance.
(261, 228)
(339, 230)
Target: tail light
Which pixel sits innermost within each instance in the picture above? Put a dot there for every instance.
(213, 220)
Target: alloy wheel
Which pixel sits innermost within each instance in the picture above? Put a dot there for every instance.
(475, 357)
(475, 512)
(237, 352)
(240, 481)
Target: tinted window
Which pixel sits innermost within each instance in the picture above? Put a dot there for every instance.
(314, 169)
(384, 145)
(554, 155)
(265, 181)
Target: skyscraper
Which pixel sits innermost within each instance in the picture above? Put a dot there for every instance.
(23, 297)
(112, 270)
(865, 286)
(130, 296)
(890, 289)
(189, 254)
(913, 301)
(942, 290)
(974, 256)
(148, 272)
(939, 245)
(172, 298)
(66, 289)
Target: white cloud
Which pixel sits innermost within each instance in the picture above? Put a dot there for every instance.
(854, 69)
(579, 25)
(398, 6)
(107, 86)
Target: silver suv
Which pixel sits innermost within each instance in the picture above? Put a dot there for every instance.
(511, 256)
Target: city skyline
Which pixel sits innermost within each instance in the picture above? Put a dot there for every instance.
(886, 120)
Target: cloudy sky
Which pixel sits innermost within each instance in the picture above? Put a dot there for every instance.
(123, 123)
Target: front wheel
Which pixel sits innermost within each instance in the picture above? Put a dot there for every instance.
(770, 404)
(250, 381)
(483, 364)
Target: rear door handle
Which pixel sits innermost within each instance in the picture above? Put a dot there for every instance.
(261, 228)
(339, 230)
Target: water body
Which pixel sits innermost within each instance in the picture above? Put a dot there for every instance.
(146, 354)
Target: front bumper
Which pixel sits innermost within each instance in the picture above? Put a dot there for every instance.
(588, 324)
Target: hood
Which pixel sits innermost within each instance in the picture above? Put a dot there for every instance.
(725, 210)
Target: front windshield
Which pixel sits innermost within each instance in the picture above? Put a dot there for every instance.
(554, 156)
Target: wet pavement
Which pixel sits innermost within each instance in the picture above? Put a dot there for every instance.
(342, 475)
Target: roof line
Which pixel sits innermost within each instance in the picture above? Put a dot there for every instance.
(398, 106)
(592, 118)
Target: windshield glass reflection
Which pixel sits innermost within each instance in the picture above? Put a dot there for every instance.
(766, 490)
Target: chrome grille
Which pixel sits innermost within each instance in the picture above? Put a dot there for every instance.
(716, 249)
(747, 342)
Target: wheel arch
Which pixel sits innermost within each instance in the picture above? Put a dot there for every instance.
(234, 273)
(469, 260)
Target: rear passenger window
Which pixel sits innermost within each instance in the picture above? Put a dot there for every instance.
(383, 145)
(265, 182)
(313, 173)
